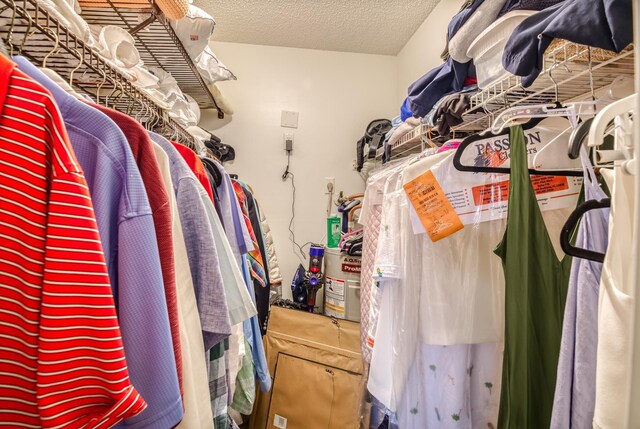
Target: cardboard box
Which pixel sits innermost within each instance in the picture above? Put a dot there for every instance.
(317, 372)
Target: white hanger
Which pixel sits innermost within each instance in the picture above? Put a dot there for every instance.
(574, 111)
(527, 112)
(622, 110)
(606, 115)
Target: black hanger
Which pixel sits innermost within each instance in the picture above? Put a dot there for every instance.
(577, 138)
(481, 169)
(570, 226)
(213, 169)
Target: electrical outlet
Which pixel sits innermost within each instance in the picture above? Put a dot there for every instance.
(330, 184)
(288, 142)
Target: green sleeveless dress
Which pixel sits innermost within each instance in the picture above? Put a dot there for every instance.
(536, 285)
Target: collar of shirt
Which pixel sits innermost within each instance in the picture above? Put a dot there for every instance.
(6, 69)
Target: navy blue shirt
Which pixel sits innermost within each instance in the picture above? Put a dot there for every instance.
(605, 24)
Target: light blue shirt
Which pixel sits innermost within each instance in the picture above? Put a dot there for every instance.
(253, 336)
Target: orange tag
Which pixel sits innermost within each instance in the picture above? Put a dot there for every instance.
(494, 192)
(436, 213)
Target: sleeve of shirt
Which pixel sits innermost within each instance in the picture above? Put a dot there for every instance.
(82, 372)
(239, 304)
(144, 321)
(243, 235)
(252, 334)
(204, 263)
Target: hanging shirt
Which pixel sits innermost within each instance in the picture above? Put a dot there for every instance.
(142, 149)
(428, 386)
(128, 238)
(256, 264)
(574, 399)
(257, 256)
(201, 249)
(239, 303)
(63, 362)
(616, 302)
(388, 279)
(458, 307)
(371, 218)
(195, 164)
(251, 330)
(232, 218)
(195, 397)
(535, 279)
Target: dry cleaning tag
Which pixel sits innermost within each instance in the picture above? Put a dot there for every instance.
(432, 206)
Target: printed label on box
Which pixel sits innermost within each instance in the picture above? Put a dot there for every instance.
(279, 422)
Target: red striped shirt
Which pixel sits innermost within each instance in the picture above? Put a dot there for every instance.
(62, 363)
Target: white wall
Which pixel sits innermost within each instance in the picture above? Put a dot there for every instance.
(337, 95)
(422, 51)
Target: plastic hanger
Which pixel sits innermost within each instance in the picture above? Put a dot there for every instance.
(570, 226)
(574, 112)
(502, 170)
(509, 116)
(606, 115)
(623, 109)
(578, 138)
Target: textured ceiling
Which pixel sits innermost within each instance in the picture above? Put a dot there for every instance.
(366, 26)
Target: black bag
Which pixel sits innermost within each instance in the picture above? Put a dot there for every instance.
(368, 145)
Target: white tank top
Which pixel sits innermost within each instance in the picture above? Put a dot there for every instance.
(615, 307)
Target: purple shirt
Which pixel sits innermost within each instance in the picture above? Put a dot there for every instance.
(130, 248)
(575, 395)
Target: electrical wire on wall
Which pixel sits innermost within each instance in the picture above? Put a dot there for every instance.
(292, 233)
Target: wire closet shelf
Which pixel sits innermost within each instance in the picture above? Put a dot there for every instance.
(30, 30)
(157, 42)
(570, 72)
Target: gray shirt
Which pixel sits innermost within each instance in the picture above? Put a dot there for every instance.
(201, 248)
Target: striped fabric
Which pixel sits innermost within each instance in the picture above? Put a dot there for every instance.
(62, 363)
(256, 263)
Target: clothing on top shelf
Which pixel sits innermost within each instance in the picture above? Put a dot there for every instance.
(608, 22)
(511, 5)
(481, 18)
(447, 78)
